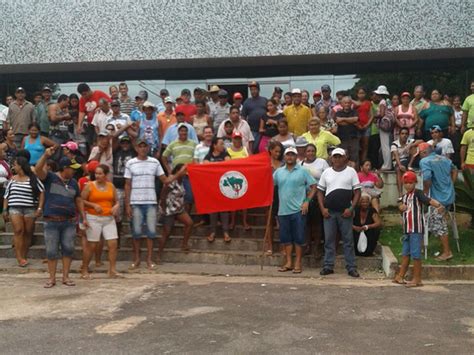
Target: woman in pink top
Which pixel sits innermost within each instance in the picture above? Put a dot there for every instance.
(371, 182)
(405, 116)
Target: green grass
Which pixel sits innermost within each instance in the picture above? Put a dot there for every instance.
(390, 236)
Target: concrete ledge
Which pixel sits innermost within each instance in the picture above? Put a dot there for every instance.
(389, 262)
(394, 219)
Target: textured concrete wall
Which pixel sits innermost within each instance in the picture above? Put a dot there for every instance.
(59, 31)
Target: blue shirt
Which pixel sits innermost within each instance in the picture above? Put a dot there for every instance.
(149, 131)
(437, 168)
(171, 134)
(137, 115)
(292, 188)
(60, 196)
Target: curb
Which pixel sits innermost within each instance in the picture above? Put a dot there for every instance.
(389, 262)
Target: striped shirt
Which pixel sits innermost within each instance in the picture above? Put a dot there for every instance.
(127, 105)
(413, 216)
(180, 152)
(20, 194)
(142, 174)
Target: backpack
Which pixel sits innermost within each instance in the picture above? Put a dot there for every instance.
(386, 122)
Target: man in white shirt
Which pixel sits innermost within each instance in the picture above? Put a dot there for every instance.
(442, 146)
(203, 148)
(241, 126)
(121, 121)
(221, 109)
(101, 116)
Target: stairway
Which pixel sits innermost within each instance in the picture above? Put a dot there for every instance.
(245, 249)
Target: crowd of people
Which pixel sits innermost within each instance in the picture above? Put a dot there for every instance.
(93, 159)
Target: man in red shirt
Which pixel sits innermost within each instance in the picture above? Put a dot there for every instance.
(88, 105)
(187, 107)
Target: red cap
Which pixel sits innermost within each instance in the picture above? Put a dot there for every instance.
(236, 134)
(405, 93)
(409, 177)
(238, 95)
(92, 165)
(317, 93)
(424, 146)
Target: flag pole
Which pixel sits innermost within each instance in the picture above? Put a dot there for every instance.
(267, 234)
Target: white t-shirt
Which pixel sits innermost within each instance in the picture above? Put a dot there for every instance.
(444, 147)
(142, 174)
(316, 168)
(119, 122)
(201, 151)
(100, 119)
(338, 187)
(403, 152)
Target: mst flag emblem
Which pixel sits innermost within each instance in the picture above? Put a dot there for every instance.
(233, 184)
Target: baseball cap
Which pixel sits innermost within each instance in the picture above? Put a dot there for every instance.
(236, 134)
(103, 133)
(295, 91)
(254, 84)
(338, 151)
(46, 88)
(436, 127)
(141, 141)
(19, 89)
(125, 138)
(181, 125)
(92, 165)
(325, 87)
(214, 88)
(222, 93)
(301, 142)
(149, 104)
(405, 93)
(277, 89)
(168, 99)
(238, 95)
(185, 92)
(142, 94)
(72, 146)
(291, 150)
(65, 162)
(316, 93)
(164, 92)
(115, 103)
(409, 177)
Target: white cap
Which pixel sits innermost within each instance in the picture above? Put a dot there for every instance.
(338, 151)
(382, 90)
(149, 104)
(295, 91)
(291, 150)
(168, 99)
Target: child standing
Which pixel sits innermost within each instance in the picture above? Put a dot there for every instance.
(410, 206)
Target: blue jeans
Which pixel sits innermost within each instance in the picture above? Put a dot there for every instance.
(292, 229)
(331, 225)
(144, 215)
(411, 245)
(59, 234)
(256, 142)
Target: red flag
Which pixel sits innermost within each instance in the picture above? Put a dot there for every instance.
(232, 184)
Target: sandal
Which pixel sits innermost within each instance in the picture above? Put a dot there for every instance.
(23, 263)
(297, 271)
(227, 238)
(86, 277)
(285, 269)
(69, 282)
(269, 252)
(151, 266)
(444, 258)
(49, 284)
(399, 281)
(115, 275)
(413, 284)
(134, 266)
(211, 238)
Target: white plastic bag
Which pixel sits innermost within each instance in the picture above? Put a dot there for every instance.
(362, 243)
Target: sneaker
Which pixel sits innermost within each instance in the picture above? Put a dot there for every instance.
(353, 273)
(325, 272)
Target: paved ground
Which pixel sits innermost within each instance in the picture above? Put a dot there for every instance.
(177, 313)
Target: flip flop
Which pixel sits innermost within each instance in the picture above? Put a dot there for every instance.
(86, 277)
(211, 238)
(285, 269)
(152, 267)
(134, 266)
(49, 284)
(116, 275)
(297, 271)
(23, 263)
(444, 258)
(69, 282)
(399, 282)
(413, 284)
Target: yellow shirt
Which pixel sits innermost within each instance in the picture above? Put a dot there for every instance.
(468, 139)
(297, 117)
(243, 153)
(322, 141)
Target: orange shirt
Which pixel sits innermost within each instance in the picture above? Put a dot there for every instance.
(104, 199)
(164, 121)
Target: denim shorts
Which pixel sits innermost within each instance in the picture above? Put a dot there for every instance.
(59, 234)
(144, 221)
(292, 229)
(411, 245)
(364, 132)
(23, 211)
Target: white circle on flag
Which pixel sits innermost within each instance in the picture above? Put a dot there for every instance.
(233, 185)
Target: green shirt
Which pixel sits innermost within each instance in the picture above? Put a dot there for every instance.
(374, 130)
(436, 115)
(180, 152)
(468, 140)
(468, 106)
